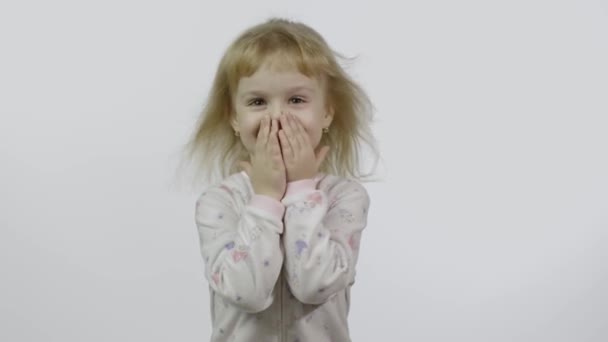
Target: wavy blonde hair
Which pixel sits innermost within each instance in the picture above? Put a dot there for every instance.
(213, 148)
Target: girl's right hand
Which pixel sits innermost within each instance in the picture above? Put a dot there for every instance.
(267, 169)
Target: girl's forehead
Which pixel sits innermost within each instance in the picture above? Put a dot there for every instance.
(266, 73)
(284, 77)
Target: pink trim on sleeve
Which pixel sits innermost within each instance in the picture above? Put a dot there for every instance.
(301, 185)
(269, 204)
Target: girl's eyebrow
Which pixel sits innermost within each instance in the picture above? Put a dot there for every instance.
(289, 90)
(296, 88)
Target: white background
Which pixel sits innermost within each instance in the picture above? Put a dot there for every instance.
(491, 223)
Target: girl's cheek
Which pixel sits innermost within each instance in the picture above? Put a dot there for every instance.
(305, 121)
(257, 124)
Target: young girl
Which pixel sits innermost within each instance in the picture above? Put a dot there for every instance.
(280, 233)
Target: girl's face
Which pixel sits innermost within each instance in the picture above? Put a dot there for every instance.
(274, 93)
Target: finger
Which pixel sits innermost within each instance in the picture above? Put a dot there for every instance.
(285, 147)
(292, 134)
(276, 150)
(274, 127)
(262, 139)
(272, 138)
(299, 134)
(288, 133)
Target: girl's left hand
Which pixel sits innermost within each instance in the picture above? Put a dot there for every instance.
(300, 159)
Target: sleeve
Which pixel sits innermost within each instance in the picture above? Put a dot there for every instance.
(321, 238)
(241, 250)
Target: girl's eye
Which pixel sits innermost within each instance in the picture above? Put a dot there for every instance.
(259, 101)
(300, 100)
(255, 102)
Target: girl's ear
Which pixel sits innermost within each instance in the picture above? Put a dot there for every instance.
(329, 115)
(234, 122)
(231, 109)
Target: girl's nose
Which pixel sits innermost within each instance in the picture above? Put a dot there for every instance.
(276, 114)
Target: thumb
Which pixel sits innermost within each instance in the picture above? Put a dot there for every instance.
(322, 154)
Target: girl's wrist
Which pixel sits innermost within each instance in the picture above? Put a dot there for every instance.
(300, 185)
(268, 203)
(270, 194)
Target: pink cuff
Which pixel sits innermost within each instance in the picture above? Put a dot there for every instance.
(302, 185)
(271, 205)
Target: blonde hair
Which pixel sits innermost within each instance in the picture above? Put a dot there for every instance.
(213, 147)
